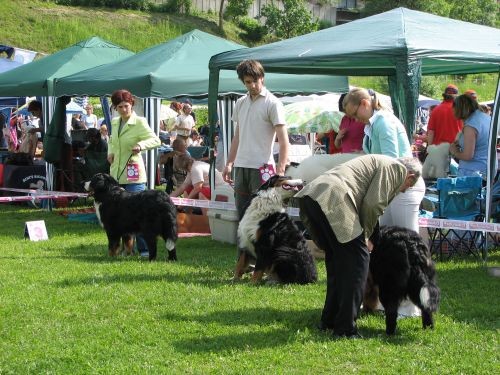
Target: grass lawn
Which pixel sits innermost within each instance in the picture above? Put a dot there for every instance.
(67, 308)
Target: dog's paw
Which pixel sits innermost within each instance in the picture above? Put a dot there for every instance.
(271, 282)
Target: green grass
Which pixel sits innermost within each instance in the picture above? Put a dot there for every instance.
(45, 27)
(485, 85)
(66, 307)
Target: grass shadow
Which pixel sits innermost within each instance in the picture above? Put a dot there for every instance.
(201, 278)
(283, 326)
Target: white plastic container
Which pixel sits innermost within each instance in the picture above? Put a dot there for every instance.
(223, 223)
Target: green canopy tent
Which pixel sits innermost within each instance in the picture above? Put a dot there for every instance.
(37, 77)
(179, 68)
(402, 44)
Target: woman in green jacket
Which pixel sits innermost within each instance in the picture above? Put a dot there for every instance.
(130, 136)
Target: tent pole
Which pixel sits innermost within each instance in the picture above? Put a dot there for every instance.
(213, 91)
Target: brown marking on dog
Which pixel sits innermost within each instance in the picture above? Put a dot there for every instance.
(258, 234)
(257, 276)
(241, 266)
(113, 251)
(128, 244)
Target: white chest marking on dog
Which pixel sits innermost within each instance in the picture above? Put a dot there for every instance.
(98, 213)
(263, 205)
(425, 296)
(169, 244)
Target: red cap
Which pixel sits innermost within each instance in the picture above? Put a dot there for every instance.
(451, 90)
(471, 93)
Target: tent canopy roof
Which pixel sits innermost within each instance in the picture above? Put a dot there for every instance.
(36, 78)
(179, 67)
(375, 45)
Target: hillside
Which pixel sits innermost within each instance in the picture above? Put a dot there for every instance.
(45, 27)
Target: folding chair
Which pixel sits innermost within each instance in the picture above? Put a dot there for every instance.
(459, 198)
(198, 152)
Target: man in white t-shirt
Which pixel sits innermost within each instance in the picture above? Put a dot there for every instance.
(260, 118)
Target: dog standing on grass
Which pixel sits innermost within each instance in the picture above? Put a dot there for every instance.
(122, 214)
(270, 236)
(401, 267)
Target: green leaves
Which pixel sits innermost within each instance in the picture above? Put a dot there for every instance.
(293, 20)
(483, 12)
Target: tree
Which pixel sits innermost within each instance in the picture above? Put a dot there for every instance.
(221, 16)
(483, 12)
(235, 9)
(294, 19)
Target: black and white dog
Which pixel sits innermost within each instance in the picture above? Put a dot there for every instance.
(401, 267)
(122, 214)
(270, 236)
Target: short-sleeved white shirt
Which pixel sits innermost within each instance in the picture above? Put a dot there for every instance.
(184, 121)
(200, 173)
(257, 120)
(90, 120)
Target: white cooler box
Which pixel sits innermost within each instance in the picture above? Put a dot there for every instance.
(223, 223)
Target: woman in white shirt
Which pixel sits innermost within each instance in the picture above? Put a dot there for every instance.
(197, 183)
(184, 123)
(89, 119)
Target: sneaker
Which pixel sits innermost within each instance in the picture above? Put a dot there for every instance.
(144, 254)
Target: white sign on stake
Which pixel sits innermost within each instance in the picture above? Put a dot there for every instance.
(35, 230)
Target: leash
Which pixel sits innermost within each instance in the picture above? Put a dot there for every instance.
(123, 170)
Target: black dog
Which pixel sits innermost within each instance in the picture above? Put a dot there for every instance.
(121, 214)
(271, 237)
(401, 266)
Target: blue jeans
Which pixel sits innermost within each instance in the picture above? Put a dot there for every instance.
(135, 188)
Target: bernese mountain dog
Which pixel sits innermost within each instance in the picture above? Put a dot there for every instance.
(122, 214)
(401, 267)
(269, 235)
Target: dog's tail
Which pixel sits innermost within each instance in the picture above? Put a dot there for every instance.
(429, 296)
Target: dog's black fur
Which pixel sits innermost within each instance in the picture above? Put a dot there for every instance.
(280, 248)
(122, 214)
(401, 266)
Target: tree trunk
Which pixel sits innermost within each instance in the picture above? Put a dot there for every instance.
(221, 19)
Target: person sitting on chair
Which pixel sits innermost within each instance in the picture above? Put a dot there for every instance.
(174, 175)
(96, 143)
(197, 183)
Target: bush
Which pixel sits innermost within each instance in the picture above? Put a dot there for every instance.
(293, 20)
(324, 24)
(201, 116)
(236, 9)
(431, 86)
(176, 6)
(254, 31)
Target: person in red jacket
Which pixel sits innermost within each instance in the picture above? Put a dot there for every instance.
(443, 125)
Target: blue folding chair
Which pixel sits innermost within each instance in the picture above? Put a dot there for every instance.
(459, 198)
(198, 152)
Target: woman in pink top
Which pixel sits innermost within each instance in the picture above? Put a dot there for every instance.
(351, 132)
